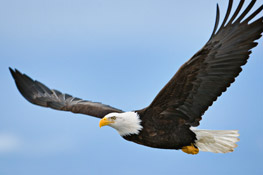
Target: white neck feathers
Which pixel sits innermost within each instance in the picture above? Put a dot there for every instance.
(127, 123)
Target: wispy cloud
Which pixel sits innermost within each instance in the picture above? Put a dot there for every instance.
(9, 143)
(13, 143)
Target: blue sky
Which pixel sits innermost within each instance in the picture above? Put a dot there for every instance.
(120, 53)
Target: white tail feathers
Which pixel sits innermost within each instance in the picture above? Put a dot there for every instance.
(216, 141)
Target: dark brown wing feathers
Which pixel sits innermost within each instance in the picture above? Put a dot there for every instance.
(37, 93)
(202, 79)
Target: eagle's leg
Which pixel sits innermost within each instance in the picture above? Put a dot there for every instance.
(192, 149)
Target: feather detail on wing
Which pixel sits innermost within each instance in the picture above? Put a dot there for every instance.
(203, 78)
(37, 93)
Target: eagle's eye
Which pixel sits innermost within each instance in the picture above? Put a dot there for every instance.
(113, 118)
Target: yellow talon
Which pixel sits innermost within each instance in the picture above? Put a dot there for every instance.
(192, 149)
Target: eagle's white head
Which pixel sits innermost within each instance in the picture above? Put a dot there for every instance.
(126, 123)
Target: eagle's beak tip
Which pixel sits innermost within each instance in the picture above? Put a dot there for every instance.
(104, 122)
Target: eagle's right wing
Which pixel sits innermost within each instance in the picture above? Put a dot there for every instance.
(38, 94)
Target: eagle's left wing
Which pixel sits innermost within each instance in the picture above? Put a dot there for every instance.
(203, 78)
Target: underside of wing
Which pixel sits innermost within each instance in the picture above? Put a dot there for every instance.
(203, 78)
(37, 93)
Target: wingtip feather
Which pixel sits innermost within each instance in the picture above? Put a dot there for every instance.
(11, 71)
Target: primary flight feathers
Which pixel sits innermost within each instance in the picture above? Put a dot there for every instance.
(166, 122)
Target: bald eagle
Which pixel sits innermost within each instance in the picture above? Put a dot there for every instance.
(168, 121)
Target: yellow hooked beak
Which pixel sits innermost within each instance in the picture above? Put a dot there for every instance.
(104, 122)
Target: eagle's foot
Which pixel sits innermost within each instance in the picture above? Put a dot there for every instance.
(192, 149)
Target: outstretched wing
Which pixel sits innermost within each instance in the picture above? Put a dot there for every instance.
(37, 93)
(203, 78)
